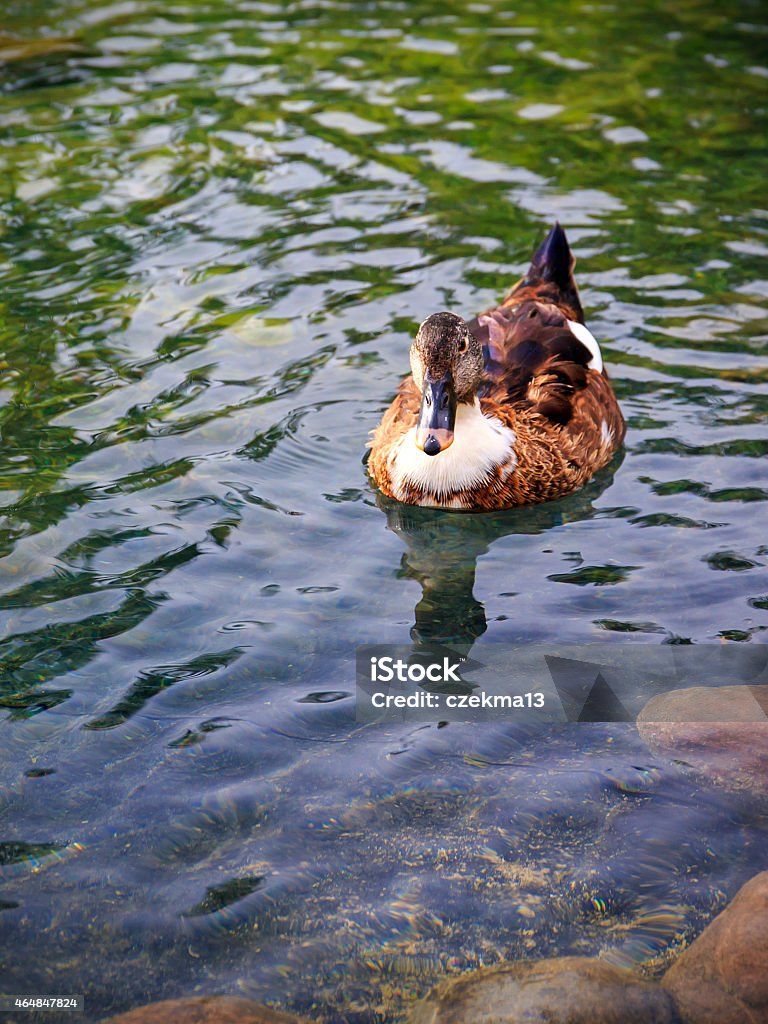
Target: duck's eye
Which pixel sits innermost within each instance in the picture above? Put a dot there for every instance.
(532, 314)
(463, 345)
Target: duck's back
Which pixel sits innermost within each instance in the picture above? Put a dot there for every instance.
(538, 360)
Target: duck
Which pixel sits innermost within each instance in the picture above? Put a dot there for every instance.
(514, 407)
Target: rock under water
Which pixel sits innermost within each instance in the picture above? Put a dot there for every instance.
(565, 990)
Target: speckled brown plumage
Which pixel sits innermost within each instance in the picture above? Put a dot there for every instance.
(536, 381)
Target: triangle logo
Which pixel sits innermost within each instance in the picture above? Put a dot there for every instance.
(602, 705)
(584, 692)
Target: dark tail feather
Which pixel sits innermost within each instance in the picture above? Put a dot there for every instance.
(553, 264)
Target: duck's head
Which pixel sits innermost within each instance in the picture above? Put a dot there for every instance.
(447, 366)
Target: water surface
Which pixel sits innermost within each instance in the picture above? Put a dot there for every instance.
(220, 223)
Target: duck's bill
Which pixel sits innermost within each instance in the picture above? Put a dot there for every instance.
(437, 416)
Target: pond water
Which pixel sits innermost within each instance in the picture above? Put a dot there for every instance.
(220, 223)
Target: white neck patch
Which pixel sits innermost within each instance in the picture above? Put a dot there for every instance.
(480, 444)
(588, 341)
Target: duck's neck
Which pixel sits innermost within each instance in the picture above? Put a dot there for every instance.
(482, 447)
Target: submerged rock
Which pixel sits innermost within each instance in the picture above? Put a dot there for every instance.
(567, 990)
(720, 733)
(205, 1010)
(723, 977)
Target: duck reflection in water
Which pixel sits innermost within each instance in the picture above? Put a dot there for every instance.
(442, 549)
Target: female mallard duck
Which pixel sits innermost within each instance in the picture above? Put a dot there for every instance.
(512, 408)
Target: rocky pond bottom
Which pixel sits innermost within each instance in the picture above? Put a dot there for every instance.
(453, 850)
(663, 972)
(720, 979)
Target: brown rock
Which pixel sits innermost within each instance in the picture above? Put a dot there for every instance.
(205, 1010)
(723, 977)
(567, 990)
(721, 733)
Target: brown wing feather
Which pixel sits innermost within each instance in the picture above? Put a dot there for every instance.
(533, 361)
(592, 407)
